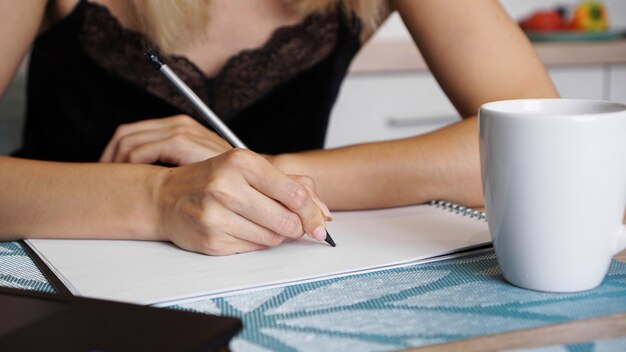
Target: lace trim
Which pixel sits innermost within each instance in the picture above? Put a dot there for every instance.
(252, 74)
(244, 79)
(120, 52)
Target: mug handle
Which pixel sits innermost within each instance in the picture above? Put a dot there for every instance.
(620, 245)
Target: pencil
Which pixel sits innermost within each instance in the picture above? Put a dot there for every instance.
(209, 116)
(197, 103)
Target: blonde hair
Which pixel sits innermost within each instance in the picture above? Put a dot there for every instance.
(174, 24)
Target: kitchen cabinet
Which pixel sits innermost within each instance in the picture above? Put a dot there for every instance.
(617, 83)
(390, 93)
(580, 82)
(375, 107)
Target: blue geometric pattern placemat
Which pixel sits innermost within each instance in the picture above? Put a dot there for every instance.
(407, 307)
(17, 270)
(392, 309)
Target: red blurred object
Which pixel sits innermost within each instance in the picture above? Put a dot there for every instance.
(549, 20)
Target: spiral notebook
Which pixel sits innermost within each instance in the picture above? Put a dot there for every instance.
(159, 273)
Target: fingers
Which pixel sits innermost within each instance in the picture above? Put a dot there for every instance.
(251, 232)
(128, 129)
(222, 244)
(175, 140)
(234, 203)
(268, 180)
(310, 185)
(128, 144)
(175, 150)
(264, 211)
(222, 231)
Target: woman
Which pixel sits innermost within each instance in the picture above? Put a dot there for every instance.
(473, 48)
(236, 202)
(271, 69)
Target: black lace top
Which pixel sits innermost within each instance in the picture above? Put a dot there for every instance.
(87, 75)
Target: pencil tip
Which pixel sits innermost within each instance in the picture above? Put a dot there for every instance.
(329, 240)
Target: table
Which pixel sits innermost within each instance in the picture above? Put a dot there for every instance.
(567, 333)
(279, 313)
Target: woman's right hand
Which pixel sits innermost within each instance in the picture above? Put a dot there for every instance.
(236, 202)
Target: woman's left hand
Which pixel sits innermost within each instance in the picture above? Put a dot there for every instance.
(176, 140)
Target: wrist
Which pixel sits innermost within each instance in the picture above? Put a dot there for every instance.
(269, 158)
(153, 209)
(282, 162)
(158, 202)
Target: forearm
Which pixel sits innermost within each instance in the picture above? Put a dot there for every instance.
(63, 200)
(440, 165)
(19, 20)
(482, 58)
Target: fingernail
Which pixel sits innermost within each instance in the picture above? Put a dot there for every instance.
(326, 211)
(319, 233)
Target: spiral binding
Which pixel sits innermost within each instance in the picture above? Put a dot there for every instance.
(459, 209)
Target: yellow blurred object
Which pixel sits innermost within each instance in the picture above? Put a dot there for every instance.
(589, 16)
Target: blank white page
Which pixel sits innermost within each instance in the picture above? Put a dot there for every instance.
(157, 273)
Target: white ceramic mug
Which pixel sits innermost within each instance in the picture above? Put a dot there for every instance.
(554, 181)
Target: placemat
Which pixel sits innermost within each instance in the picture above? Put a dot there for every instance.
(392, 309)
(17, 270)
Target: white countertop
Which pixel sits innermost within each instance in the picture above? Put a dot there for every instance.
(402, 56)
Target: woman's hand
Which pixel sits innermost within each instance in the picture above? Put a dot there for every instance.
(176, 140)
(236, 202)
